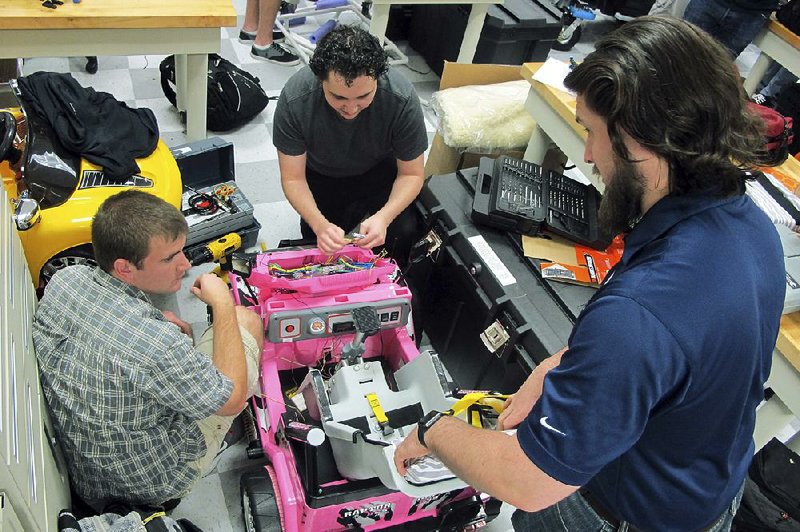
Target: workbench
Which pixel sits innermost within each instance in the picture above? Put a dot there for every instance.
(190, 29)
(777, 43)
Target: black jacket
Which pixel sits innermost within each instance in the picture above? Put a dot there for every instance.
(92, 124)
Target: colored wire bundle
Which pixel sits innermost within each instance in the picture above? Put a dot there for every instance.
(342, 264)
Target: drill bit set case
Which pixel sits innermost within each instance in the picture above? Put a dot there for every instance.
(212, 202)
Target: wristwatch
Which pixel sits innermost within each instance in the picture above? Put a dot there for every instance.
(426, 422)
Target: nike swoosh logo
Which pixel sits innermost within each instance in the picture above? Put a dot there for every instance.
(543, 422)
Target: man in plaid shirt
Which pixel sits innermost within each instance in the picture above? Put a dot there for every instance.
(140, 411)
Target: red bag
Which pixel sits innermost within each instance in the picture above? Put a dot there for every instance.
(777, 130)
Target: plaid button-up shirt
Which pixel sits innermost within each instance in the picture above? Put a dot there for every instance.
(124, 387)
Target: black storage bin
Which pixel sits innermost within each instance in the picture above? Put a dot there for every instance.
(477, 276)
(515, 32)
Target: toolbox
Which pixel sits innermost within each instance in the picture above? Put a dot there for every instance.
(232, 216)
(483, 306)
(207, 165)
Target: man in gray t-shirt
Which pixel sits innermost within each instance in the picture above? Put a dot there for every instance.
(350, 137)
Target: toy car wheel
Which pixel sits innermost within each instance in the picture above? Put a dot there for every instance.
(71, 257)
(260, 507)
(569, 36)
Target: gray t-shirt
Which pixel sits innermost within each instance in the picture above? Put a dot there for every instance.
(392, 126)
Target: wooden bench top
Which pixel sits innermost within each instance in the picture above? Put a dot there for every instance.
(117, 14)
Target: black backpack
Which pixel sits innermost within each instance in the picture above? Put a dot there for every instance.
(234, 95)
(771, 500)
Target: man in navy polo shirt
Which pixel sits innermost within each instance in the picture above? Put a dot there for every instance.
(645, 421)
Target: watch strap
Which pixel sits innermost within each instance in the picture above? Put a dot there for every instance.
(426, 422)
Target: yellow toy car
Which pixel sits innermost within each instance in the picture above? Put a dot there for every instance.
(55, 193)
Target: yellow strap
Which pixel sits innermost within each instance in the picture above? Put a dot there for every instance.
(494, 400)
(475, 418)
(155, 515)
(375, 404)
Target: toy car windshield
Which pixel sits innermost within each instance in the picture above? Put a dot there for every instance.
(50, 171)
(47, 170)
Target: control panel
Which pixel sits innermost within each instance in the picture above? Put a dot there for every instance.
(321, 322)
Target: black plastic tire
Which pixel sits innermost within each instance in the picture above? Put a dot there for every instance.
(573, 40)
(259, 504)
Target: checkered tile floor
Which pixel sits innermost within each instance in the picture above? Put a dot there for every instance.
(214, 505)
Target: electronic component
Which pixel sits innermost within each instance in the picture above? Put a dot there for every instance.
(342, 264)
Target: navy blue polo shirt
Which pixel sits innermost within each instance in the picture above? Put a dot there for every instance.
(653, 406)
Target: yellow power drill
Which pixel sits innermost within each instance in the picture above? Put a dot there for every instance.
(216, 249)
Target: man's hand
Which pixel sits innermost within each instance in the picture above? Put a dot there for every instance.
(182, 325)
(374, 231)
(518, 406)
(212, 290)
(330, 238)
(408, 450)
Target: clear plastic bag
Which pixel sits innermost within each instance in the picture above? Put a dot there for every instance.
(484, 117)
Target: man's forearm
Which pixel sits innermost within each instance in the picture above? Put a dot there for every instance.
(405, 189)
(302, 200)
(493, 462)
(229, 348)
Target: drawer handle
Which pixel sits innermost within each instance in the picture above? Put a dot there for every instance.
(31, 457)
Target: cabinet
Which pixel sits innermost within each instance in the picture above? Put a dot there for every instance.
(33, 475)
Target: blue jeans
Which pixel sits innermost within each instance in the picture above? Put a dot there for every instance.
(574, 514)
(732, 28)
(777, 80)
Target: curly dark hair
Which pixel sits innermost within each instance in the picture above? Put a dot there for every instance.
(350, 52)
(676, 91)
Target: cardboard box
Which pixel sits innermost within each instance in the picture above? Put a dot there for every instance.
(442, 159)
(562, 260)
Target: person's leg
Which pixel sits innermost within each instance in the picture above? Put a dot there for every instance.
(337, 198)
(265, 46)
(250, 24)
(214, 427)
(739, 28)
(782, 79)
(725, 521)
(704, 14)
(401, 235)
(372, 192)
(267, 11)
(252, 21)
(733, 28)
(570, 514)
(347, 201)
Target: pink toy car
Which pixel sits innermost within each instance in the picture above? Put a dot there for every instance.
(342, 383)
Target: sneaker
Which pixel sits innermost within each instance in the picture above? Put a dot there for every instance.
(212, 467)
(275, 53)
(245, 37)
(766, 101)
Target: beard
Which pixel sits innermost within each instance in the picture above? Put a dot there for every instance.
(621, 206)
